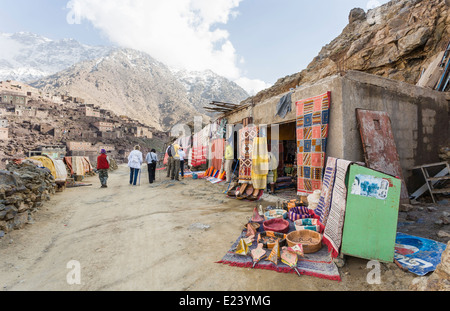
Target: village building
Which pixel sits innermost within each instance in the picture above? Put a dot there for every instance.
(52, 151)
(419, 119)
(104, 126)
(90, 111)
(12, 98)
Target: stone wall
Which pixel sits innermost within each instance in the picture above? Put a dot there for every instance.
(23, 190)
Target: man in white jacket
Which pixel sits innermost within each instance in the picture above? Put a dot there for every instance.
(135, 160)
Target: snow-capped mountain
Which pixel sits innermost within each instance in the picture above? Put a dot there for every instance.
(202, 87)
(126, 81)
(26, 57)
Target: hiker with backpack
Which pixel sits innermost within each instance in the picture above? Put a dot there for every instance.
(151, 159)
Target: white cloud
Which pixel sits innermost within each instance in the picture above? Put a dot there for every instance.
(252, 86)
(372, 4)
(180, 33)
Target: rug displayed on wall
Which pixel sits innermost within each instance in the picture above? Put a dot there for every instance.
(246, 137)
(312, 134)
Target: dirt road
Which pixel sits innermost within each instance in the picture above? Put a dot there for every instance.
(162, 237)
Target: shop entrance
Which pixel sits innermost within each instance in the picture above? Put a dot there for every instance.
(286, 181)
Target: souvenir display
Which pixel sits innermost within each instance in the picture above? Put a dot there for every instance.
(289, 258)
(258, 254)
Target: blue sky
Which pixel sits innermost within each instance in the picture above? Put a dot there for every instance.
(254, 42)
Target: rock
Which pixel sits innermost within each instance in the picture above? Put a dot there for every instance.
(443, 234)
(438, 281)
(416, 39)
(20, 220)
(447, 2)
(2, 234)
(406, 207)
(412, 216)
(3, 225)
(356, 14)
(431, 209)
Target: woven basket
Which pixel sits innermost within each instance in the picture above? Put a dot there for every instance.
(267, 238)
(310, 240)
(276, 225)
(276, 213)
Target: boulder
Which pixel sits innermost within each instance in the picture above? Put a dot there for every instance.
(357, 14)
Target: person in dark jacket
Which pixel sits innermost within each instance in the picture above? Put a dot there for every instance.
(152, 160)
(103, 167)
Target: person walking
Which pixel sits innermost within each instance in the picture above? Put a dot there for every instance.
(135, 160)
(182, 155)
(170, 161)
(103, 167)
(175, 174)
(229, 159)
(151, 159)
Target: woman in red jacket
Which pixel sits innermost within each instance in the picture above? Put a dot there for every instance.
(103, 167)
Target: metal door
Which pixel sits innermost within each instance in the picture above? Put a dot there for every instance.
(378, 142)
(371, 214)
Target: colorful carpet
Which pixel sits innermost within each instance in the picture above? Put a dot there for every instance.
(323, 208)
(417, 255)
(334, 224)
(246, 136)
(217, 152)
(312, 134)
(319, 264)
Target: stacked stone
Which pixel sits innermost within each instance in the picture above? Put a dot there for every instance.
(23, 190)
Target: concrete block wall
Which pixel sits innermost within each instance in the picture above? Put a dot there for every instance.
(419, 117)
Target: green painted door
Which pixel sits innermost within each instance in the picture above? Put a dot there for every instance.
(371, 214)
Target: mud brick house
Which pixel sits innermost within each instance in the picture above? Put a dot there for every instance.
(137, 131)
(13, 98)
(90, 111)
(104, 126)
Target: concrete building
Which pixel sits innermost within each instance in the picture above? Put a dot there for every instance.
(419, 117)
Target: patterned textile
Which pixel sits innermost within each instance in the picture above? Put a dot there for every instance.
(260, 163)
(332, 235)
(319, 264)
(217, 152)
(246, 136)
(199, 147)
(312, 134)
(323, 208)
